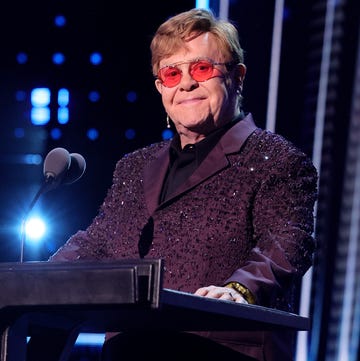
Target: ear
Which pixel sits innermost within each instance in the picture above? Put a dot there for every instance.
(158, 85)
(241, 71)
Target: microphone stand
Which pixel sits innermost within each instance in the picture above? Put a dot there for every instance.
(23, 224)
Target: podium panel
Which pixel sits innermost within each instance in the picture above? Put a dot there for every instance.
(52, 302)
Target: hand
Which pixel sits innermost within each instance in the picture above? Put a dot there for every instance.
(222, 293)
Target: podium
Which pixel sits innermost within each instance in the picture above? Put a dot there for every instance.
(52, 302)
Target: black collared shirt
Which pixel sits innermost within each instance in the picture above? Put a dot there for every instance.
(183, 162)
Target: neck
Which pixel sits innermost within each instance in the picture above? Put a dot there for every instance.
(190, 138)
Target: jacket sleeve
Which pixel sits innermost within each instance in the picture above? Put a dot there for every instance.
(283, 222)
(95, 242)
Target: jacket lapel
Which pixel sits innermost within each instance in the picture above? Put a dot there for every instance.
(216, 160)
(154, 174)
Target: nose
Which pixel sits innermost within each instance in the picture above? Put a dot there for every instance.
(187, 82)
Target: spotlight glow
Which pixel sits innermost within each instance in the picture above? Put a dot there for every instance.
(35, 229)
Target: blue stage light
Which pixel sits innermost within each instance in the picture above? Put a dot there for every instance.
(63, 97)
(131, 96)
(60, 20)
(21, 58)
(167, 134)
(90, 339)
(93, 134)
(34, 159)
(202, 4)
(63, 115)
(130, 133)
(56, 133)
(58, 58)
(40, 115)
(94, 96)
(95, 58)
(40, 97)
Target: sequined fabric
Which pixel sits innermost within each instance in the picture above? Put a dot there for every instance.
(251, 221)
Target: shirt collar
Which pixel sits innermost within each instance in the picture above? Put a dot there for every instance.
(205, 145)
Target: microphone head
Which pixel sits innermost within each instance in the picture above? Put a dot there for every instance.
(56, 164)
(76, 169)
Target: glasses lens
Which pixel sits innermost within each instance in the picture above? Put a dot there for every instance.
(170, 76)
(201, 70)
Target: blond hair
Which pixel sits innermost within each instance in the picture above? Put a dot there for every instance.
(179, 29)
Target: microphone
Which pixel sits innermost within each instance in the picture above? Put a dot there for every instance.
(76, 169)
(60, 167)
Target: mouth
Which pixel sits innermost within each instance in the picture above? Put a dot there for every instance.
(190, 101)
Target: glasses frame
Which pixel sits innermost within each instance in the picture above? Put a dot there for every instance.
(228, 66)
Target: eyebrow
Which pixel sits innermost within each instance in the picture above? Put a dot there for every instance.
(191, 61)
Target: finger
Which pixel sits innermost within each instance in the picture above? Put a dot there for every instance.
(230, 296)
(203, 291)
(224, 295)
(239, 299)
(220, 292)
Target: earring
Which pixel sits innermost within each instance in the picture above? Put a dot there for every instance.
(168, 121)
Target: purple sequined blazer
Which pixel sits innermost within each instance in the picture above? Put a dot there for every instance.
(245, 215)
